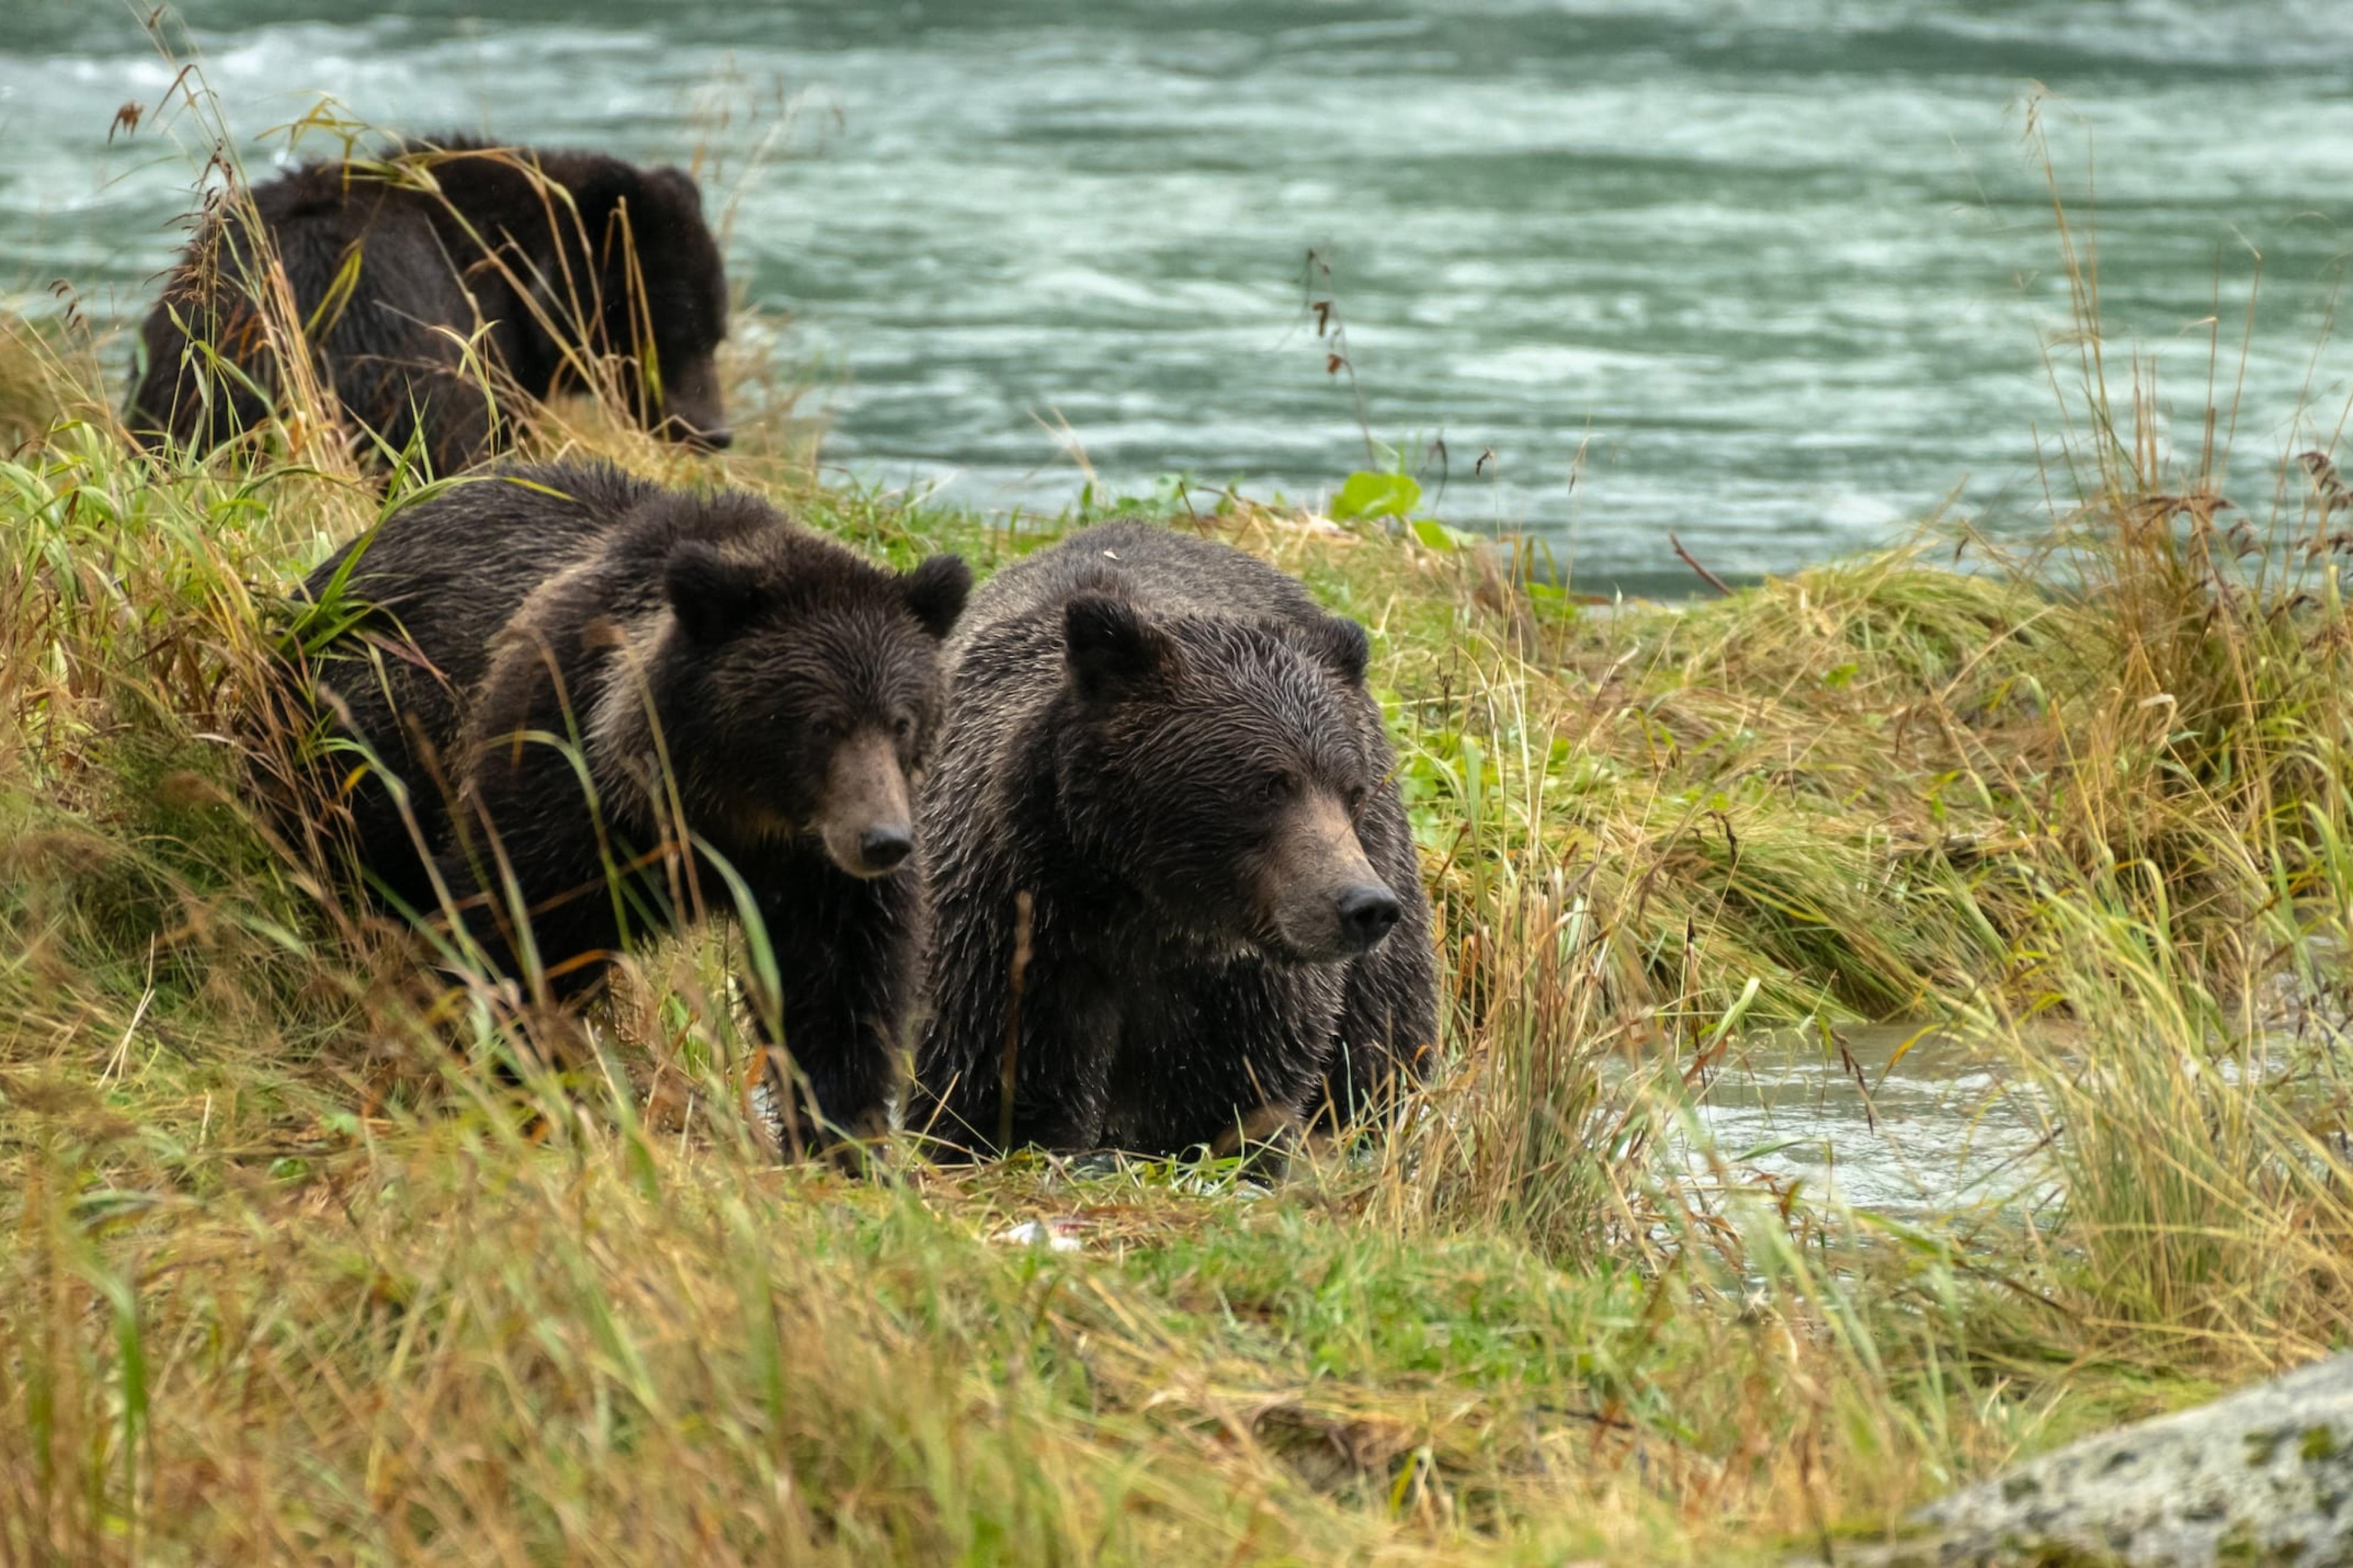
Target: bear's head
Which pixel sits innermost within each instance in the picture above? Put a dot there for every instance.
(665, 293)
(1221, 767)
(799, 696)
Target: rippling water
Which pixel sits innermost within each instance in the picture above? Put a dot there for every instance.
(1774, 274)
(1911, 1122)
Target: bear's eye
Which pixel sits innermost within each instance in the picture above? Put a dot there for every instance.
(1356, 798)
(1278, 787)
(903, 727)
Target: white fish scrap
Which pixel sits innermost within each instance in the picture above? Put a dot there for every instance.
(1060, 1233)
(767, 1112)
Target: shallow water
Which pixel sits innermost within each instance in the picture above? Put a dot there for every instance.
(1911, 1123)
(1779, 271)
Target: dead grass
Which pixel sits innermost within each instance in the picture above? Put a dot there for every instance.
(290, 1279)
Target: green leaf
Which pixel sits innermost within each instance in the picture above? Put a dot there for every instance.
(1367, 494)
(1432, 534)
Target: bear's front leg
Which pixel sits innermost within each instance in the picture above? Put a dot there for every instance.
(1061, 1078)
(846, 953)
(538, 887)
(1387, 1041)
(1060, 1060)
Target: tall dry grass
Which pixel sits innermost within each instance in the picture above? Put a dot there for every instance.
(291, 1277)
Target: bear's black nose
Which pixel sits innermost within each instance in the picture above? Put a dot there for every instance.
(884, 848)
(1366, 912)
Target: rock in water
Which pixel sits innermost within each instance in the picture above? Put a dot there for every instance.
(2264, 1476)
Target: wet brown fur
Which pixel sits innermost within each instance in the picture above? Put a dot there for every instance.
(1169, 747)
(535, 258)
(735, 688)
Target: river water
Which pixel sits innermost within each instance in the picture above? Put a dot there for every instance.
(1775, 275)
(1903, 1119)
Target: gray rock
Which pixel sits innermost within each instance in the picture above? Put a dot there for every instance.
(2264, 1476)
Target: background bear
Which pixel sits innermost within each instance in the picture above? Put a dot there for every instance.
(722, 675)
(396, 266)
(1170, 749)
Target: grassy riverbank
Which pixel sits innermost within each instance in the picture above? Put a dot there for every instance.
(284, 1279)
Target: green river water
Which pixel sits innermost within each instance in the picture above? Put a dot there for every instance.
(1776, 277)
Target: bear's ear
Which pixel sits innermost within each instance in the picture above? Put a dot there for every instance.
(713, 597)
(596, 194)
(1111, 646)
(1342, 645)
(674, 183)
(936, 591)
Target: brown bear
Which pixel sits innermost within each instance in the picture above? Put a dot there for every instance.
(402, 268)
(570, 695)
(1173, 877)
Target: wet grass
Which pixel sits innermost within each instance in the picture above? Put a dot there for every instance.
(287, 1277)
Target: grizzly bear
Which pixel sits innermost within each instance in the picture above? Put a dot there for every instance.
(412, 273)
(1177, 896)
(567, 695)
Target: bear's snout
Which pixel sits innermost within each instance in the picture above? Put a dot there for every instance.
(1328, 903)
(694, 409)
(864, 820)
(705, 430)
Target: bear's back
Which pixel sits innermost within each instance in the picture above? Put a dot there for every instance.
(487, 540)
(322, 215)
(452, 572)
(1005, 659)
(1162, 570)
(468, 192)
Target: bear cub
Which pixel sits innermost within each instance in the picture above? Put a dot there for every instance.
(589, 687)
(395, 266)
(1168, 748)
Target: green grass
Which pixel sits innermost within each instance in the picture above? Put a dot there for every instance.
(287, 1277)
